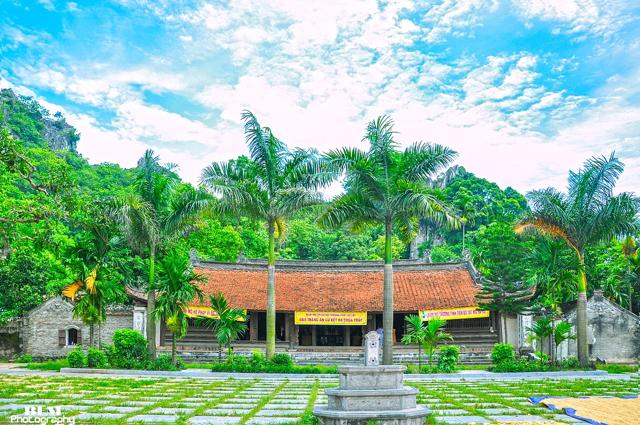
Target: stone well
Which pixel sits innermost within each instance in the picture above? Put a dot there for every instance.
(371, 393)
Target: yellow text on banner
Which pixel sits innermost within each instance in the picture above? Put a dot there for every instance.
(330, 318)
(453, 313)
(202, 311)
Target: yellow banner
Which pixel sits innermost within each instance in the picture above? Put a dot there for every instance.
(202, 311)
(453, 313)
(330, 318)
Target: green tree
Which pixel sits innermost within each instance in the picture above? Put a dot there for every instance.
(228, 325)
(630, 252)
(175, 288)
(433, 334)
(152, 219)
(505, 297)
(386, 186)
(540, 330)
(588, 214)
(416, 334)
(270, 186)
(562, 332)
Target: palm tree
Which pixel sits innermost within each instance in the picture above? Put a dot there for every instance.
(415, 334)
(561, 333)
(175, 288)
(540, 330)
(387, 186)
(588, 214)
(91, 300)
(228, 325)
(630, 252)
(93, 289)
(270, 185)
(154, 216)
(433, 334)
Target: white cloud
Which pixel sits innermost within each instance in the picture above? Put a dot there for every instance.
(601, 17)
(455, 17)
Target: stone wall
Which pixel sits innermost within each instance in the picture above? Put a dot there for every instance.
(43, 326)
(613, 332)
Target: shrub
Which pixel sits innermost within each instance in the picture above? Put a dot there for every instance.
(448, 358)
(25, 358)
(521, 365)
(570, 363)
(258, 361)
(502, 353)
(130, 349)
(257, 364)
(76, 358)
(163, 362)
(97, 359)
(282, 359)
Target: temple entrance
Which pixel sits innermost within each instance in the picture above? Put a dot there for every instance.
(329, 336)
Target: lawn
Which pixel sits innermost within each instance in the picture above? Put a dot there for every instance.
(279, 400)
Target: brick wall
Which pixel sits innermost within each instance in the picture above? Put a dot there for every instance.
(42, 325)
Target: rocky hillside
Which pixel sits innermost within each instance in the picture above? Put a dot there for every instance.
(34, 125)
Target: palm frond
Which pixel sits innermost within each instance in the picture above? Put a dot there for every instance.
(421, 161)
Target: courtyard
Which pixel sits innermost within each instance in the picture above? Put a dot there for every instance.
(283, 399)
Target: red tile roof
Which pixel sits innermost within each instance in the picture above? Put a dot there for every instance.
(353, 286)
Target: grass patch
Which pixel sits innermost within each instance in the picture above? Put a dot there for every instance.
(617, 368)
(51, 365)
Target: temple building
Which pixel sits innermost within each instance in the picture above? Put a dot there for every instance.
(328, 306)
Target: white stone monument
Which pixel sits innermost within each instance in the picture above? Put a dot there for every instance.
(371, 393)
(372, 349)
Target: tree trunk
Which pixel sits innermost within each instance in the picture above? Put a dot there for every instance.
(219, 353)
(91, 329)
(630, 283)
(173, 349)
(271, 294)
(503, 321)
(419, 357)
(151, 305)
(583, 347)
(387, 316)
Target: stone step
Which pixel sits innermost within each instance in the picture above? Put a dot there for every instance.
(414, 416)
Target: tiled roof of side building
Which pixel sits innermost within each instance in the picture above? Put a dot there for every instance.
(341, 285)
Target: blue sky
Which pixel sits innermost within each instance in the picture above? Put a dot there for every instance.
(524, 90)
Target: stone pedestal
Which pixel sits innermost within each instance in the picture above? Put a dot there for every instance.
(371, 393)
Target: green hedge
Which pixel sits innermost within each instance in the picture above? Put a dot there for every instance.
(257, 363)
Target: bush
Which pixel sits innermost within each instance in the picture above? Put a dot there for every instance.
(163, 362)
(570, 363)
(25, 358)
(97, 359)
(448, 359)
(76, 358)
(258, 364)
(129, 349)
(282, 359)
(521, 365)
(502, 353)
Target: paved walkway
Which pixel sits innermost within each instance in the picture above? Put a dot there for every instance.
(280, 399)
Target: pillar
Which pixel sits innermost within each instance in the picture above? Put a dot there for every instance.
(253, 326)
(288, 321)
(314, 335)
(346, 340)
(295, 338)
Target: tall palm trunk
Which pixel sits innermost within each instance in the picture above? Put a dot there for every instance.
(387, 316)
(151, 305)
(271, 294)
(419, 357)
(630, 283)
(583, 347)
(173, 348)
(91, 332)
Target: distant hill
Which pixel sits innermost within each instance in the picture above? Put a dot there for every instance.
(33, 124)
